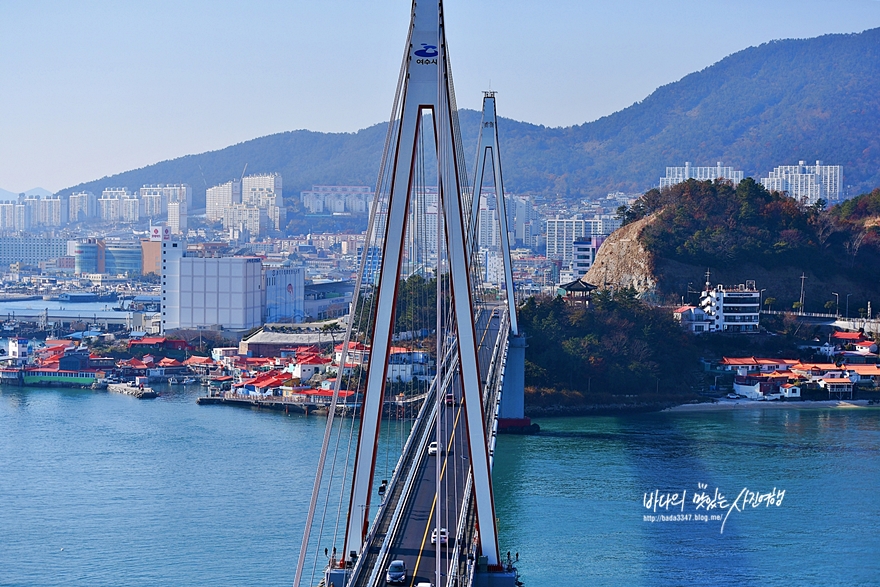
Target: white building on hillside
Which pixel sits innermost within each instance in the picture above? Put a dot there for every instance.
(806, 183)
(676, 175)
(732, 309)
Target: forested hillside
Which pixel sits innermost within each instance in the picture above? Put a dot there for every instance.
(775, 104)
(745, 232)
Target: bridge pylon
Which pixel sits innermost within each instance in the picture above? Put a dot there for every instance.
(425, 88)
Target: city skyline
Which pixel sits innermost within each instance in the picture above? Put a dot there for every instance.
(114, 87)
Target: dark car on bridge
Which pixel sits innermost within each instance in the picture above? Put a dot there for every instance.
(396, 572)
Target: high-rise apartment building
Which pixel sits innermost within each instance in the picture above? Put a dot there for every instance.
(7, 216)
(23, 219)
(337, 199)
(676, 175)
(165, 194)
(523, 220)
(488, 235)
(563, 232)
(151, 205)
(52, 211)
(265, 192)
(130, 209)
(83, 206)
(221, 197)
(177, 217)
(244, 217)
(806, 183)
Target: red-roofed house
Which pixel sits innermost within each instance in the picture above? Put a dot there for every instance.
(848, 337)
(358, 353)
(306, 367)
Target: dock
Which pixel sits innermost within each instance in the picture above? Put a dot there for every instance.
(276, 403)
(138, 392)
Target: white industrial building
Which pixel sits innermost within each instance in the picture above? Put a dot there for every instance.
(285, 294)
(806, 183)
(202, 292)
(675, 175)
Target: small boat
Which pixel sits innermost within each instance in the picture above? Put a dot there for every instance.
(173, 381)
(189, 380)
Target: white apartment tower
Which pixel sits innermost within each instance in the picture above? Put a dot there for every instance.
(244, 217)
(337, 199)
(82, 205)
(265, 192)
(165, 194)
(563, 232)
(130, 209)
(806, 183)
(676, 175)
(177, 217)
(221, 197)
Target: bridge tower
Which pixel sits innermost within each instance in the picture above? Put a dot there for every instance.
(423, 145)
(511, 413)
(425, 87)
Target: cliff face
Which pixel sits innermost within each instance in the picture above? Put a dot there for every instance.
(622, 260)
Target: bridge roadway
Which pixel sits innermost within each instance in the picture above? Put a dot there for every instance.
(411, 540)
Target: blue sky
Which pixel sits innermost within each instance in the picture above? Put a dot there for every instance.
(92, 88)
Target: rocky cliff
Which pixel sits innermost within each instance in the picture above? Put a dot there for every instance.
(622, 260)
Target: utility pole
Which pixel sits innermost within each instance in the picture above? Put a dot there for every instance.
(803, 277)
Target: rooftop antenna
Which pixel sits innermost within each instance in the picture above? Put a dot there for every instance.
(707, 279)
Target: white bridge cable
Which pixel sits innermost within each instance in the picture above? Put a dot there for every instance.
(381, 182)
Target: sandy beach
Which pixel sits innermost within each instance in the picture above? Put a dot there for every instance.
(744, 404)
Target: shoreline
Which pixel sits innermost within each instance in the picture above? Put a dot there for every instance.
(722, 404)
(744, 404)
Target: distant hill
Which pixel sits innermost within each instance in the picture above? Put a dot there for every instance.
(7, 195)
(775, 104)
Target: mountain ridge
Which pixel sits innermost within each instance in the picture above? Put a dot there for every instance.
(774, 104)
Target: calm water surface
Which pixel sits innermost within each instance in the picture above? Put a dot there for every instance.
(166, 492)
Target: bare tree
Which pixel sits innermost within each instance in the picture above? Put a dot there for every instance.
(854, 243)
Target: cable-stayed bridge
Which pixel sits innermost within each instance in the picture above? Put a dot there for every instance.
(425, 323)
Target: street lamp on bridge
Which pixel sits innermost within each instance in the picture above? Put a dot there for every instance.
(836, 303)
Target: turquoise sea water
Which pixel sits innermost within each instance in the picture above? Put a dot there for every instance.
(165, 492)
